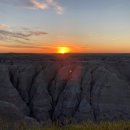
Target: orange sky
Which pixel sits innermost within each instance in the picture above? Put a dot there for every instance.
(72, 50)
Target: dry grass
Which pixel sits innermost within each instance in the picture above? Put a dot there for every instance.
(120, 125)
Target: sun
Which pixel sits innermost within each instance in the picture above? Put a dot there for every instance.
(63, 50)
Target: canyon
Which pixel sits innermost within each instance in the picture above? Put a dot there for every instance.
(66, 89)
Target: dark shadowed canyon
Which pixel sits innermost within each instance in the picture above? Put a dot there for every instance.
(64, 88)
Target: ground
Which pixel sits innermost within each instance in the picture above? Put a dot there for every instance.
(71, 88)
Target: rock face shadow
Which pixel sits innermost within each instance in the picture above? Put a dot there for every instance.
(45, 89)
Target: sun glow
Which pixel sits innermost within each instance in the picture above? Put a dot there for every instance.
(63, 50)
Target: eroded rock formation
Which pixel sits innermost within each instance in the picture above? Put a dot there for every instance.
(86, 88)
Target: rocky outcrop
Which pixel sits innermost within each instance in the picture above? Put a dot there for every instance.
(8, 92)
(65, 91)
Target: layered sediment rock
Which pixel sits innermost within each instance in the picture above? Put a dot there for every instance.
(78, 90)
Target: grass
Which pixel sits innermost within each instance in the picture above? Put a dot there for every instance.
(120, 125)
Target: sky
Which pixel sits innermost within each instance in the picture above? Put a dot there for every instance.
(85, 26)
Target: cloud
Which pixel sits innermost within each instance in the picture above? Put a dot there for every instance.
(37, 33)
(6, 35)
(46, 4)
(19, 46)
(4, 26)
(59, 9)
(28, 46)
(36, 4)
(39, 5)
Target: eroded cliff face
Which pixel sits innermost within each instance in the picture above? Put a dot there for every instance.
(67, 91)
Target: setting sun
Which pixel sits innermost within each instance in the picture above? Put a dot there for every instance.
(63, 50)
